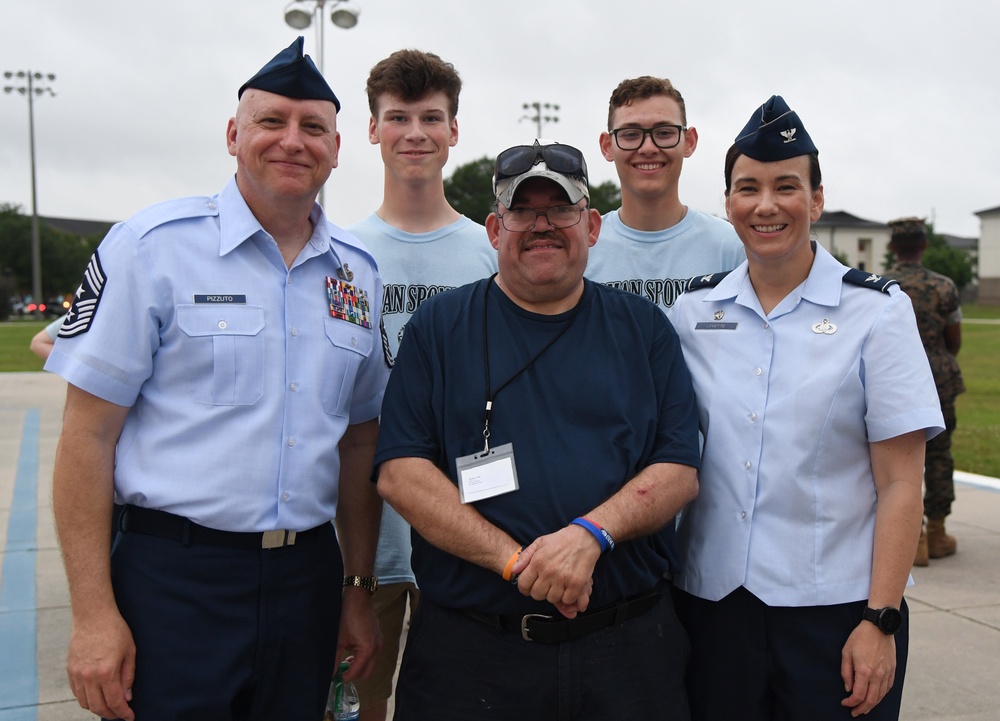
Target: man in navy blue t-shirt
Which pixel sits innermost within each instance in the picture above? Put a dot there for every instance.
(539, 433)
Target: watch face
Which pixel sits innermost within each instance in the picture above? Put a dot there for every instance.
(889, 620)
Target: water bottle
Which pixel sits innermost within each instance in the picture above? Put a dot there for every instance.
(342, 704)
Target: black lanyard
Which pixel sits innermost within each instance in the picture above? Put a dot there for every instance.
(490, 396)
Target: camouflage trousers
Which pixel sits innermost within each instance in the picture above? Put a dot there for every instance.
(939, 468)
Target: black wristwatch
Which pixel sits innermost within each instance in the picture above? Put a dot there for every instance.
(887, 619)
(370, 583)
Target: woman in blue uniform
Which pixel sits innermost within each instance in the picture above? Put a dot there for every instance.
(815, 401)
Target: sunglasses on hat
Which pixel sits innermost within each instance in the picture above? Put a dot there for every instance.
(564, 159)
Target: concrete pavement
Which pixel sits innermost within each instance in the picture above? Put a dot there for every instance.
(955, 604)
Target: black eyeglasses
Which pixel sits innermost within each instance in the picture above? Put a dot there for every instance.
(558, 158)
(520, 220)
(664, 136)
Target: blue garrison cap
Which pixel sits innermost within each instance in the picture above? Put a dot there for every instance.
(773, 133)
(292, 74)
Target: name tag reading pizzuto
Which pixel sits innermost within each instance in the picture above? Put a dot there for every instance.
(487, 474)
(220, 298)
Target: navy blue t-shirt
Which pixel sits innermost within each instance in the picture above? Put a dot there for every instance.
(611, 396)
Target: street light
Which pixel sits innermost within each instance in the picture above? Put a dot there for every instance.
(539, 117)
(343, 15)
(26, 83)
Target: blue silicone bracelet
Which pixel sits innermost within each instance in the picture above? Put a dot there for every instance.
(602, 536)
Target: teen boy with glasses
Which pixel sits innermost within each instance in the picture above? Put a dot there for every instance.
(654, 243)
(538, 433)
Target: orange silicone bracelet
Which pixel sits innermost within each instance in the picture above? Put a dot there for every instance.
(509, 568)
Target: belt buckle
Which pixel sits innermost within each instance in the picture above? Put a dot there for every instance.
(277, 538)
(524, 623)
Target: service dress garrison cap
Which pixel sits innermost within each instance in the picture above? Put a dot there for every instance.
(292, 74)
(774, 132)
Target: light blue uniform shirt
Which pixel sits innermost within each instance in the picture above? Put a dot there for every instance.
(239, 379)
(787, 500)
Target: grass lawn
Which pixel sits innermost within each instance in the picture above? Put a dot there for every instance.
(975, 444)
(976, 441)
(14, 339)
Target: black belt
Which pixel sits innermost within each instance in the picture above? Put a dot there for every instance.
(151, 522)
(557, 629)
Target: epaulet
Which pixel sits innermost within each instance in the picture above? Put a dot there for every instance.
(705, 281)
(869, 280)
(198, 206)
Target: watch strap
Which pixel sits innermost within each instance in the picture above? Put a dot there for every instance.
(887, 619)
(369, 583)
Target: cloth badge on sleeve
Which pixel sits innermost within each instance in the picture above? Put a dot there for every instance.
(348, 302)
(88, 295)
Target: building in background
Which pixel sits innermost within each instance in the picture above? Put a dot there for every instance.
(857, 242)
(989, 256)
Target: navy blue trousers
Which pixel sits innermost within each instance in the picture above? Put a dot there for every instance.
(230, 634)
(456, 668)
(754, 662)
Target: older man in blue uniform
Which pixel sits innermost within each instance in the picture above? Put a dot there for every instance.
(225, 382)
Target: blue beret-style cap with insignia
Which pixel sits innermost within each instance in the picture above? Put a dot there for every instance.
(292, 74)
(774, 132)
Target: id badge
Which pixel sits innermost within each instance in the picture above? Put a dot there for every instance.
(484, 475)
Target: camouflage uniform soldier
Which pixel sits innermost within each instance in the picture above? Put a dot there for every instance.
(939, 315)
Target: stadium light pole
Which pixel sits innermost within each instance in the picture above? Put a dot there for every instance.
(343, 14)
(30, 84)
(541, 115)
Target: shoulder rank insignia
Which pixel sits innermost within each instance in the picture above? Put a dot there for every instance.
(705, 281)
(88, 295)
(869, 280)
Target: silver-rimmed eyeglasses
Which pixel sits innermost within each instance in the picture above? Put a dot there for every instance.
(520, 220)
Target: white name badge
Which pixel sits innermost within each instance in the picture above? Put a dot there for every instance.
(484, 475)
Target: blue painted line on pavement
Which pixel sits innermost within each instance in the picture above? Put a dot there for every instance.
(18, 611)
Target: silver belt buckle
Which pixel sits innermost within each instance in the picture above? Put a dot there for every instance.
(277, 539)
(524, 623)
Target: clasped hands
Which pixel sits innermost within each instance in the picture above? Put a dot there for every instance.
(559, 568)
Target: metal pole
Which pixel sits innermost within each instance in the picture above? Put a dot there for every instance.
(349, 17)
(36, 243)
(320, 45)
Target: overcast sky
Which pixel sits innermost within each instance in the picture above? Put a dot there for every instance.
(901, 98)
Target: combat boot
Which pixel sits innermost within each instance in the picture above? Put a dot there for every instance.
(923, 557)
(939, 543)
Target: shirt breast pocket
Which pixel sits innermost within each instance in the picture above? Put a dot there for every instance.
(225, 363)
(350, 345)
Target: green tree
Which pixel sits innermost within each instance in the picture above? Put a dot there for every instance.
(942, 258)
(605, 197)
(64, 255)
(15, 245)
(469, 189)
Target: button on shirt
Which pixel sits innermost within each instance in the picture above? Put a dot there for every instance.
(786, 505)
(240, 381)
